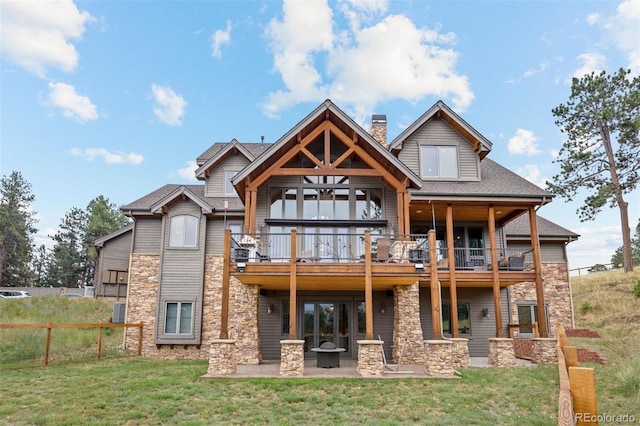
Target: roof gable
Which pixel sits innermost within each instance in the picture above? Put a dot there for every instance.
(231, 148)
(440, 110)
(326, 127)
(180, 193)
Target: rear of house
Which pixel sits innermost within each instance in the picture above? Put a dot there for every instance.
(332, 234)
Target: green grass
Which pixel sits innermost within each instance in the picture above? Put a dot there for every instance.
(25, 347)
(147, 391)
(144, 391)
(607, 304)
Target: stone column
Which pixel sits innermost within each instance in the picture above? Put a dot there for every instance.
(292, 358)
(460, 352)
(370, 362)
(501, 352)
(544, 351)
(222, 359)
(406, 325)
(438, 358)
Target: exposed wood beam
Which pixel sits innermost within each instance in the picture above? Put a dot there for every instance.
(407, 215)
(252, 210)
(436, 301)
(295, 171)
(495, 273)
(247, 210)
(343, 157)
(400, 213)
(312, 157)
(288, 156)
(327, 147)
(453, 292)
(368, 287)
(537, 264)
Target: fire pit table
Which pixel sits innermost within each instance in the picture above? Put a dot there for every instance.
(328, 355)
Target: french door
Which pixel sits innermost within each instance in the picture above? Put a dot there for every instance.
(326, 321)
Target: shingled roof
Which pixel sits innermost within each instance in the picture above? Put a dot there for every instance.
(519, 227)
(497, 181)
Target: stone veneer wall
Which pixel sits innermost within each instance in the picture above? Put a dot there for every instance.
(544, 351)
(557, 293)
(370, 362)
(243, 312)
(501, 353)
(406, 325)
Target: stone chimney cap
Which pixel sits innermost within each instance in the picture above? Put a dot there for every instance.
(378, 118)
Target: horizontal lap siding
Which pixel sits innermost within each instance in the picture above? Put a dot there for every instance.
(437, 132)
(148, 233)
(215, 183)
(482, 329)
(182, 274)
(115, 254)
(270, 325)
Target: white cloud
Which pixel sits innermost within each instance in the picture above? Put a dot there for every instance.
(533, 71)
(37, 35)
(532, 173)
(219, 39)
(73, 105)
(593, 18)
(118, 157)
(524, 142)
(624, 31)
(187, 172)
(591, 62)
(364, 65)
(169, 106)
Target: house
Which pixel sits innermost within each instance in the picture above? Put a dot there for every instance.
(333, 234)
(112, 268)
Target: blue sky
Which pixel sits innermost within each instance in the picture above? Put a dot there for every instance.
(118, 98)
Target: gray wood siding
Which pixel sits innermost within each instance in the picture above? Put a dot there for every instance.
(181, 275)
(437, 132)
(270, 325)
(549, 251)
(148, 235)
(115, 253)
(482, 329)
(113, 256)
(214, 186)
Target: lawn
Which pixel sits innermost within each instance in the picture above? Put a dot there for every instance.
(151, 392)
(144, 391)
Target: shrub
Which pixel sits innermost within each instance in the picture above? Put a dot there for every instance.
(636, 289)
(586, 307)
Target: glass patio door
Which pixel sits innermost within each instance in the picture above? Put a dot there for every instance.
(326, 322)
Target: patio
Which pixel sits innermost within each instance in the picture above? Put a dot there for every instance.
(347, 369)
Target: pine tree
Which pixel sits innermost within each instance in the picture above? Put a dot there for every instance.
(602, 153)
(16, 230)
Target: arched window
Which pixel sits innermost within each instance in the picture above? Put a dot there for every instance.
(183, 231)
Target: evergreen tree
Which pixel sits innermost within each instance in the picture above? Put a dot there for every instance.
(68, 260)
(40, 267)
(602, 153)
(618, 257)
(16, 230)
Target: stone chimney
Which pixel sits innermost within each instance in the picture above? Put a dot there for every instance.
(379, 128)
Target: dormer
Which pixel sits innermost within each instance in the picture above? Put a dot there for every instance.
(219, 164)
(441, 146)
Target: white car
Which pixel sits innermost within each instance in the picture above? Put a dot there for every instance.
(14, 294)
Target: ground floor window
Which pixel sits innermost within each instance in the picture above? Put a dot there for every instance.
(464, 319)
(528, 314)
(179, 318)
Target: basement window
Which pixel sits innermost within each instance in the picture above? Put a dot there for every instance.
(179, 318)
(464, 319)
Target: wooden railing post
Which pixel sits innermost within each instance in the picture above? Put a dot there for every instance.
(140, 338)
(99, 339)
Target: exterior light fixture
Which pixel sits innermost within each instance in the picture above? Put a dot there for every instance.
(241, 266)
(419, 267)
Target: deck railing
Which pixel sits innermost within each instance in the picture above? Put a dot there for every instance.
(350, 248)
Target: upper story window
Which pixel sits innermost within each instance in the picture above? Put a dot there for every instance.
(439, 162)
(183, 231)
(228, 186)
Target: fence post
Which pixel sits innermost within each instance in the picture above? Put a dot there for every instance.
(99, 339)
(140, 338)
(47, 345)
(583, 390)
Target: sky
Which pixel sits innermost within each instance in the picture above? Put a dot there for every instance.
(118, 98)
